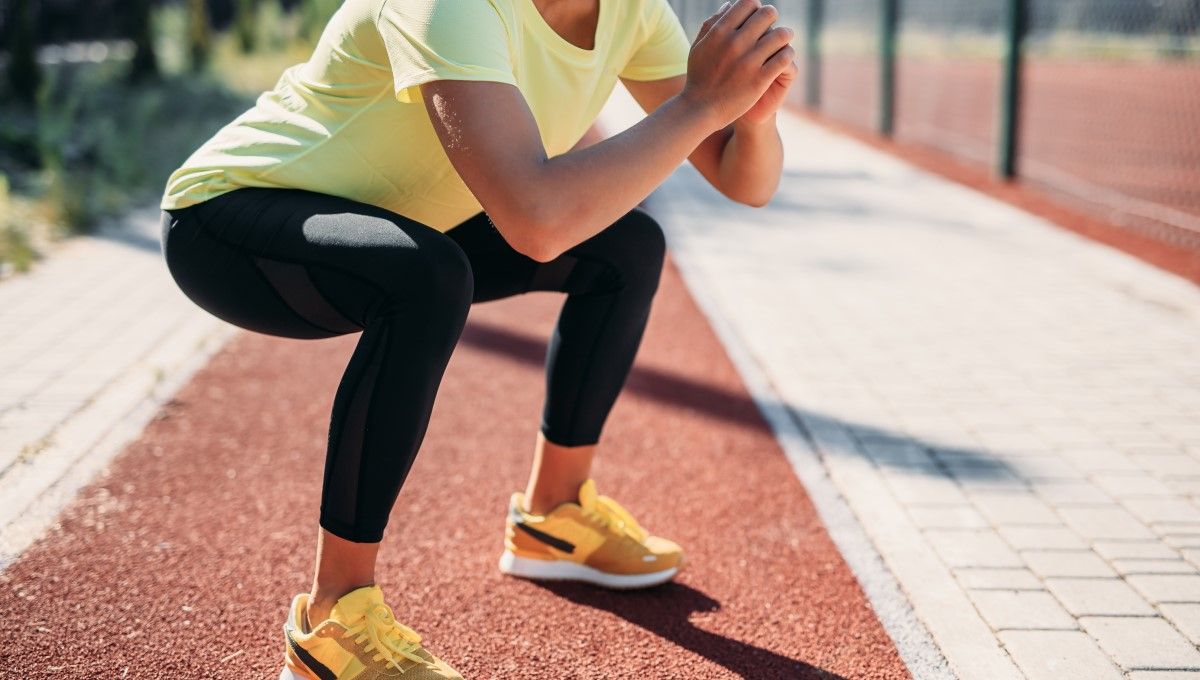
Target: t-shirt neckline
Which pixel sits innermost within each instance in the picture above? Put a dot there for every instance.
(556, 41)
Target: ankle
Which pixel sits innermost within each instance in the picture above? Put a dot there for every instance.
(542, 501)
(321, 601)
(315, 612)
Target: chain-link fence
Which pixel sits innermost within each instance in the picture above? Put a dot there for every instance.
(1096, 101)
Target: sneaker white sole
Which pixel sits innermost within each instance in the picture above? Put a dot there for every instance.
(560, 570)
(287, 674)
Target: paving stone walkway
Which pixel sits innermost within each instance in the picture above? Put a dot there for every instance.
(1011, 412)
(94, 340)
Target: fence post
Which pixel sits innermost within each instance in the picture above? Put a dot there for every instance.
(887, 65)
(1010, 82)
(812, 53)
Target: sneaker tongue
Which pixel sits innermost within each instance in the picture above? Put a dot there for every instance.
(354, 604)
(588, 495)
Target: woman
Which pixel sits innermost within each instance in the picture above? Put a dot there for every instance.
(428, 156)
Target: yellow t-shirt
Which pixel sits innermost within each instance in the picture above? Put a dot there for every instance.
(350, 121)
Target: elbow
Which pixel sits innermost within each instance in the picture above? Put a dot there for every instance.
(752, 196)
(754, 200)
(539, 252)
(529, 235)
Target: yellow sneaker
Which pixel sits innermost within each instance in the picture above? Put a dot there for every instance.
(595, 541)
(360, 640)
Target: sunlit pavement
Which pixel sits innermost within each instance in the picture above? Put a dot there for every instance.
(1011, 413)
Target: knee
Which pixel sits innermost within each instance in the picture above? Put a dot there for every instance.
(643, 249)
(447, 277)
(435, 285)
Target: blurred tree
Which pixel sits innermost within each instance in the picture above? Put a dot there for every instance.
(1182, 17)
(199, 34)
(245, 23)
(141, 31)
(314, 14)
(24, 73)
(1181, 20)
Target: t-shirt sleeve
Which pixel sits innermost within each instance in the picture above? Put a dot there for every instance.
(428, 40)
(664, 53)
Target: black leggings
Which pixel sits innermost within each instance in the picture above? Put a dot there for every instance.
(299, 264)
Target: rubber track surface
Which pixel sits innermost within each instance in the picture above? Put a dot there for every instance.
(180, 561)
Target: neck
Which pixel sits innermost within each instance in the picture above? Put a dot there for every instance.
(574, 20)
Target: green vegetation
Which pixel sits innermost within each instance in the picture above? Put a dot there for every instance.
(144, 65)
(24, 74)
(15, 248)
(315, 14)
(199, 34)
(245, 24)
(91, 140)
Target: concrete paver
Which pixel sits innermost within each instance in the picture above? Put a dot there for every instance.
(1127, 567)
(947, 517)
(1135, 550)
(1186, 618)
(1078, 563)
(1055, 655)
(1159, 588)
(1098, 523)
(1143, 643)
(975, 548)
(1021, 609)
(998, 579)
(1099, 597)
(1045, 538)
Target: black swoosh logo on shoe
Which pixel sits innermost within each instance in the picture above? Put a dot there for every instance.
(322, 671)
(552, 541)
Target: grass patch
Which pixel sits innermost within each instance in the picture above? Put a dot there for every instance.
(96, 144)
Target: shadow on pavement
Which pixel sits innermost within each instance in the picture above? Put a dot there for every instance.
(666, 611)
(138, 229)
(886, 447)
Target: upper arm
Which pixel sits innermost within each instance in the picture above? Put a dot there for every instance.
(453, 57)
(650, 94)
(492, 140)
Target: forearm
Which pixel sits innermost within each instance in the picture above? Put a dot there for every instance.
(751, 163)
(582, 192)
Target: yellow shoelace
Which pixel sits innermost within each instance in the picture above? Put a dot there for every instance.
(618, 518)
(387, 637)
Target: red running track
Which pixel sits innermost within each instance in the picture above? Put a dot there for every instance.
(179, 562)
(1109, 136)
(1130, 129)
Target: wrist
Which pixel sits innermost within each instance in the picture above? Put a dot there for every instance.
(700, 111)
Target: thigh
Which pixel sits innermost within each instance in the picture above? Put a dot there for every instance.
(498, 269)
(284, 260)
(630, 250)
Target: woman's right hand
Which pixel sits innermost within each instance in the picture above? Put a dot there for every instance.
(735, 58)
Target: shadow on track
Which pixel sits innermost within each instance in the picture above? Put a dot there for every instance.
(651, 382)
(666, 611)
(739, 409)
